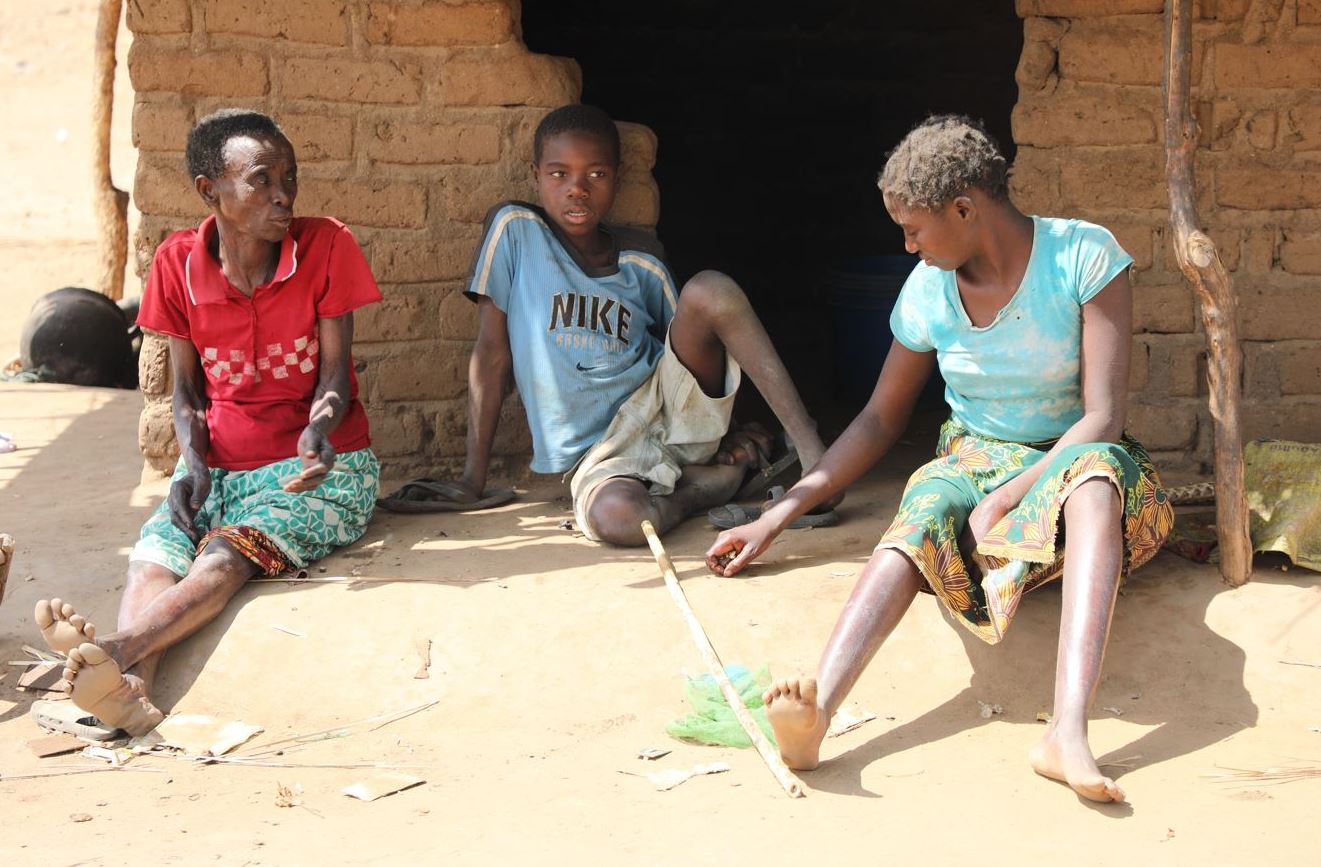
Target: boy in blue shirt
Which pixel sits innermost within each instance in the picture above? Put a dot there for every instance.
(628, 383)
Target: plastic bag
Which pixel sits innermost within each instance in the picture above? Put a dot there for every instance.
(712, 720)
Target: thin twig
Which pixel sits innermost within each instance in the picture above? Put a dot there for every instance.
(1270, 776)
(1300, 662)
(340, 731)
(241, 760)
(78, 770)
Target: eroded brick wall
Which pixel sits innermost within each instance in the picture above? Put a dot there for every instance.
(410, 119)
(1089, 128)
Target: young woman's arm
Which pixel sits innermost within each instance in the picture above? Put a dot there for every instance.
(335, 337)
(1107, 336)
(865, 441)
(188, 405)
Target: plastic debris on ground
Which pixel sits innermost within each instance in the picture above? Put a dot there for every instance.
(381, 785)
(201, 735)
(712, 720)
(846, 719)
(671, 777)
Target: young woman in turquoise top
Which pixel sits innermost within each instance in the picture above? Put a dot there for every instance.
(1029, 319)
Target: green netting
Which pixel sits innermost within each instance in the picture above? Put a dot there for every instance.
(712, 720)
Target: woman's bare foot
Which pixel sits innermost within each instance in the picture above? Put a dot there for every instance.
(1069, 760)
(61, 626)
(97, 685)
(799, 724)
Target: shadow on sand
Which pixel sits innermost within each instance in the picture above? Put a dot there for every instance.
(1165, 668)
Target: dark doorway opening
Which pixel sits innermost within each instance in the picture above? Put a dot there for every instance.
(774, 119)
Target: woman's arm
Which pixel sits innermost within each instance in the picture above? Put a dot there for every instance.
(1107, 338)
(188, 406)
(329, 402)
(865, 441)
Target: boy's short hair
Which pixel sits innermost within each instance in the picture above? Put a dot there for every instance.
(941, 159)
(577, 117)
(205, 153)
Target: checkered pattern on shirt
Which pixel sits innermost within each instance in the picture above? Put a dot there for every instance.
(279, 361)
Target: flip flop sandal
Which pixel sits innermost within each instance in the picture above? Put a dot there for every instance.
(429, 495)
(733, 515)
(776, 471)
(65, 716)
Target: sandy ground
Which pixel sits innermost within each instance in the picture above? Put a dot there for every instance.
(555, 661)
(47, 227)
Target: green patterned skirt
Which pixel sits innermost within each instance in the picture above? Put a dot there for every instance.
(274, 529)
(1023, 550)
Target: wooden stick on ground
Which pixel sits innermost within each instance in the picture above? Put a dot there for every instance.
(1200, 263)
(111, 202)
(717, 669)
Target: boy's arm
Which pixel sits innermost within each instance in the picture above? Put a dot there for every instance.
(488, 374)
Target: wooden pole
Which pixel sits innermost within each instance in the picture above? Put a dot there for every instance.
(717, 669)
(1201, 265)
(111, 203)
(6, 560)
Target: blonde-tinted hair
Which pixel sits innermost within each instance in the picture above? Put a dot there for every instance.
(941, 159)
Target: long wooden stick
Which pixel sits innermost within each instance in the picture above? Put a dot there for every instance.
(717, 669)
(6, 560)
(1201, 265)
(111, 202)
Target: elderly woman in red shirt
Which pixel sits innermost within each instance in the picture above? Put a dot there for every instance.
(276, 467)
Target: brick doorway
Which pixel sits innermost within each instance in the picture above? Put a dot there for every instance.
(773, 120)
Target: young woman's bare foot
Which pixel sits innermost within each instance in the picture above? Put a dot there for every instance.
(1069, 760)
(61, 626)
(799, 724)
(98, 686)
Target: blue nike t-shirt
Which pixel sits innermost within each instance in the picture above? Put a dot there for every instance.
(583, 339)
(1018, 378)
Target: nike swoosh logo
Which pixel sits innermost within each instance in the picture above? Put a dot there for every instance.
(579, 365)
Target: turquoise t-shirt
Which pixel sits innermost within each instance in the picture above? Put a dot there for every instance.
(583, 339)
(1019, 378)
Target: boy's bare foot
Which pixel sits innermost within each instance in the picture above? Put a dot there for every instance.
(702, 486)
(98, 686)
(61, 626)
(799, 724)
(1069, 760)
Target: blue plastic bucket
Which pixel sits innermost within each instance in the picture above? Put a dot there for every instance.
(861, 293)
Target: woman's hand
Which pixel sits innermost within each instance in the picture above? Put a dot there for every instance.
(188, 494)
(317, 455)
(989, 511)
(743, 544)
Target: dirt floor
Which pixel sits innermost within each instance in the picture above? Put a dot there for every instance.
(47, 227)
(555, 661)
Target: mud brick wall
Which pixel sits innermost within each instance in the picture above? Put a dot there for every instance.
(1089, 128)
(410, 119)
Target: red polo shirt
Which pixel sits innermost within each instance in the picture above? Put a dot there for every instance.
(260, 355)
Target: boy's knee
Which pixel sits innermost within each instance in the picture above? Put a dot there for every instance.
(616, 516)
(713, 293)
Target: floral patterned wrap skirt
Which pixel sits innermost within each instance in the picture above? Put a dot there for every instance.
(1024, 549)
